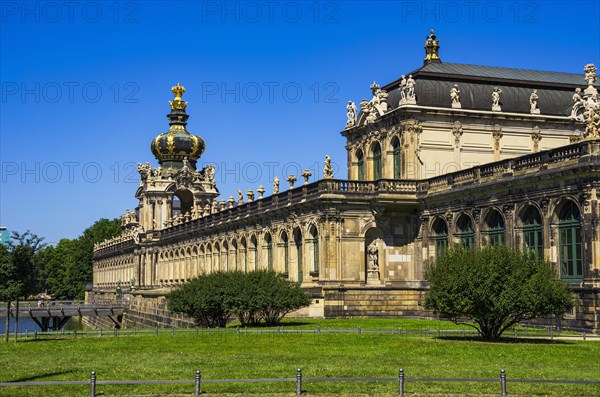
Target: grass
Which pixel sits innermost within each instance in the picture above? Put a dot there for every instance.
(241, 356)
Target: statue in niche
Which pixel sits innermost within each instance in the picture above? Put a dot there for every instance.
(455, 97)
(533, 102)
(578, 105)
(496, 99)
(351, 113)
(373, 252)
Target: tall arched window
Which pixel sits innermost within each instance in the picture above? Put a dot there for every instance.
(532, 231)
(396, 155)
(570, 241)
(269, 246)
(234, 247)
(244, 253)
(440, 230)
(298, 243)
(314, 235)
(361, 165)
(377, 166)
(495, 228)
(254, 248)
(465, 232)
(285, 253)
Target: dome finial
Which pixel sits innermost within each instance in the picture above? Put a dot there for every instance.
(432, 47)
(178, 103)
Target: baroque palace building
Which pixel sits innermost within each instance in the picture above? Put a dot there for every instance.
(447, 154)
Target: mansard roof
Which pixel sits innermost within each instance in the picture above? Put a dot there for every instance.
(476, 83)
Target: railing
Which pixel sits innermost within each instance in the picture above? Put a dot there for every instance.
(546, 332)
(300, 381)
(313, 191)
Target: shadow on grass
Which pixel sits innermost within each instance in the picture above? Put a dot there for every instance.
(47, 339)
(528, 340)
(282, 325)
(41, 376)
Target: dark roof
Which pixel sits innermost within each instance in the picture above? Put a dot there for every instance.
(476, 83)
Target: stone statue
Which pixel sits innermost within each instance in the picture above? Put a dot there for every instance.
(275, 185)
(496, 100)
(351, 107)
(327, 169)
(578, 104)
(403, 90)
(209, 174)
(373, 252)
(455, 97)
(250, 194)
(145, 171)
(240, 197)
(411, 98)
(533, 102)
(213, 207)
(261, 191)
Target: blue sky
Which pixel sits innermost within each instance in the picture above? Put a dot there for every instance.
(85, 85)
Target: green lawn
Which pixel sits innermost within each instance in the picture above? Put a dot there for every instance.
(276, 355)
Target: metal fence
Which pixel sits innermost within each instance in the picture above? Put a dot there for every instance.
(548, 332)
(299, 380)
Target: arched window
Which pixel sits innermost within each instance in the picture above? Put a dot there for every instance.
(225, 256)
(314, 235)
(532, 231)
(285, 253)
(244, 247)
(254, 247)
(217, 258)
(269, 246)
(361, 165)
(298, 243)
(440, 232)
(570, 241)
(495, 228)
(234, 247)
(396, 155)
(465, 232)
(377, 167)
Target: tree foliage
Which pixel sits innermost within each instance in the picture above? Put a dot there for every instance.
(495, 287)
(67, 268)
(261, 295)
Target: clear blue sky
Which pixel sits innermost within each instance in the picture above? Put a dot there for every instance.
(85, 85)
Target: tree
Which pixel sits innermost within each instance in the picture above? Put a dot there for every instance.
(9, 284)
(65, 270)
(496, 287)
(260, 295)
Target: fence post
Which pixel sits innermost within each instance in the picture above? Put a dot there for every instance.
(156, 331)
(584, 336)
(93, 384)
(172, 330)
(358, 329)
(503, 382)
(401, 382)
(298, 382)
(134, 331)
(115, 332)
(392, 329)
(319, 329)
(196, 330)
(198, 383)
(35, 334)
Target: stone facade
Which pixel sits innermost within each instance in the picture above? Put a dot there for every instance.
(421, 177)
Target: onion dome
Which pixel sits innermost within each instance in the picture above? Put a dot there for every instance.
(177, 144)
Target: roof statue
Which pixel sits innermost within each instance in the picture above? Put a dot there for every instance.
(432, 49)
